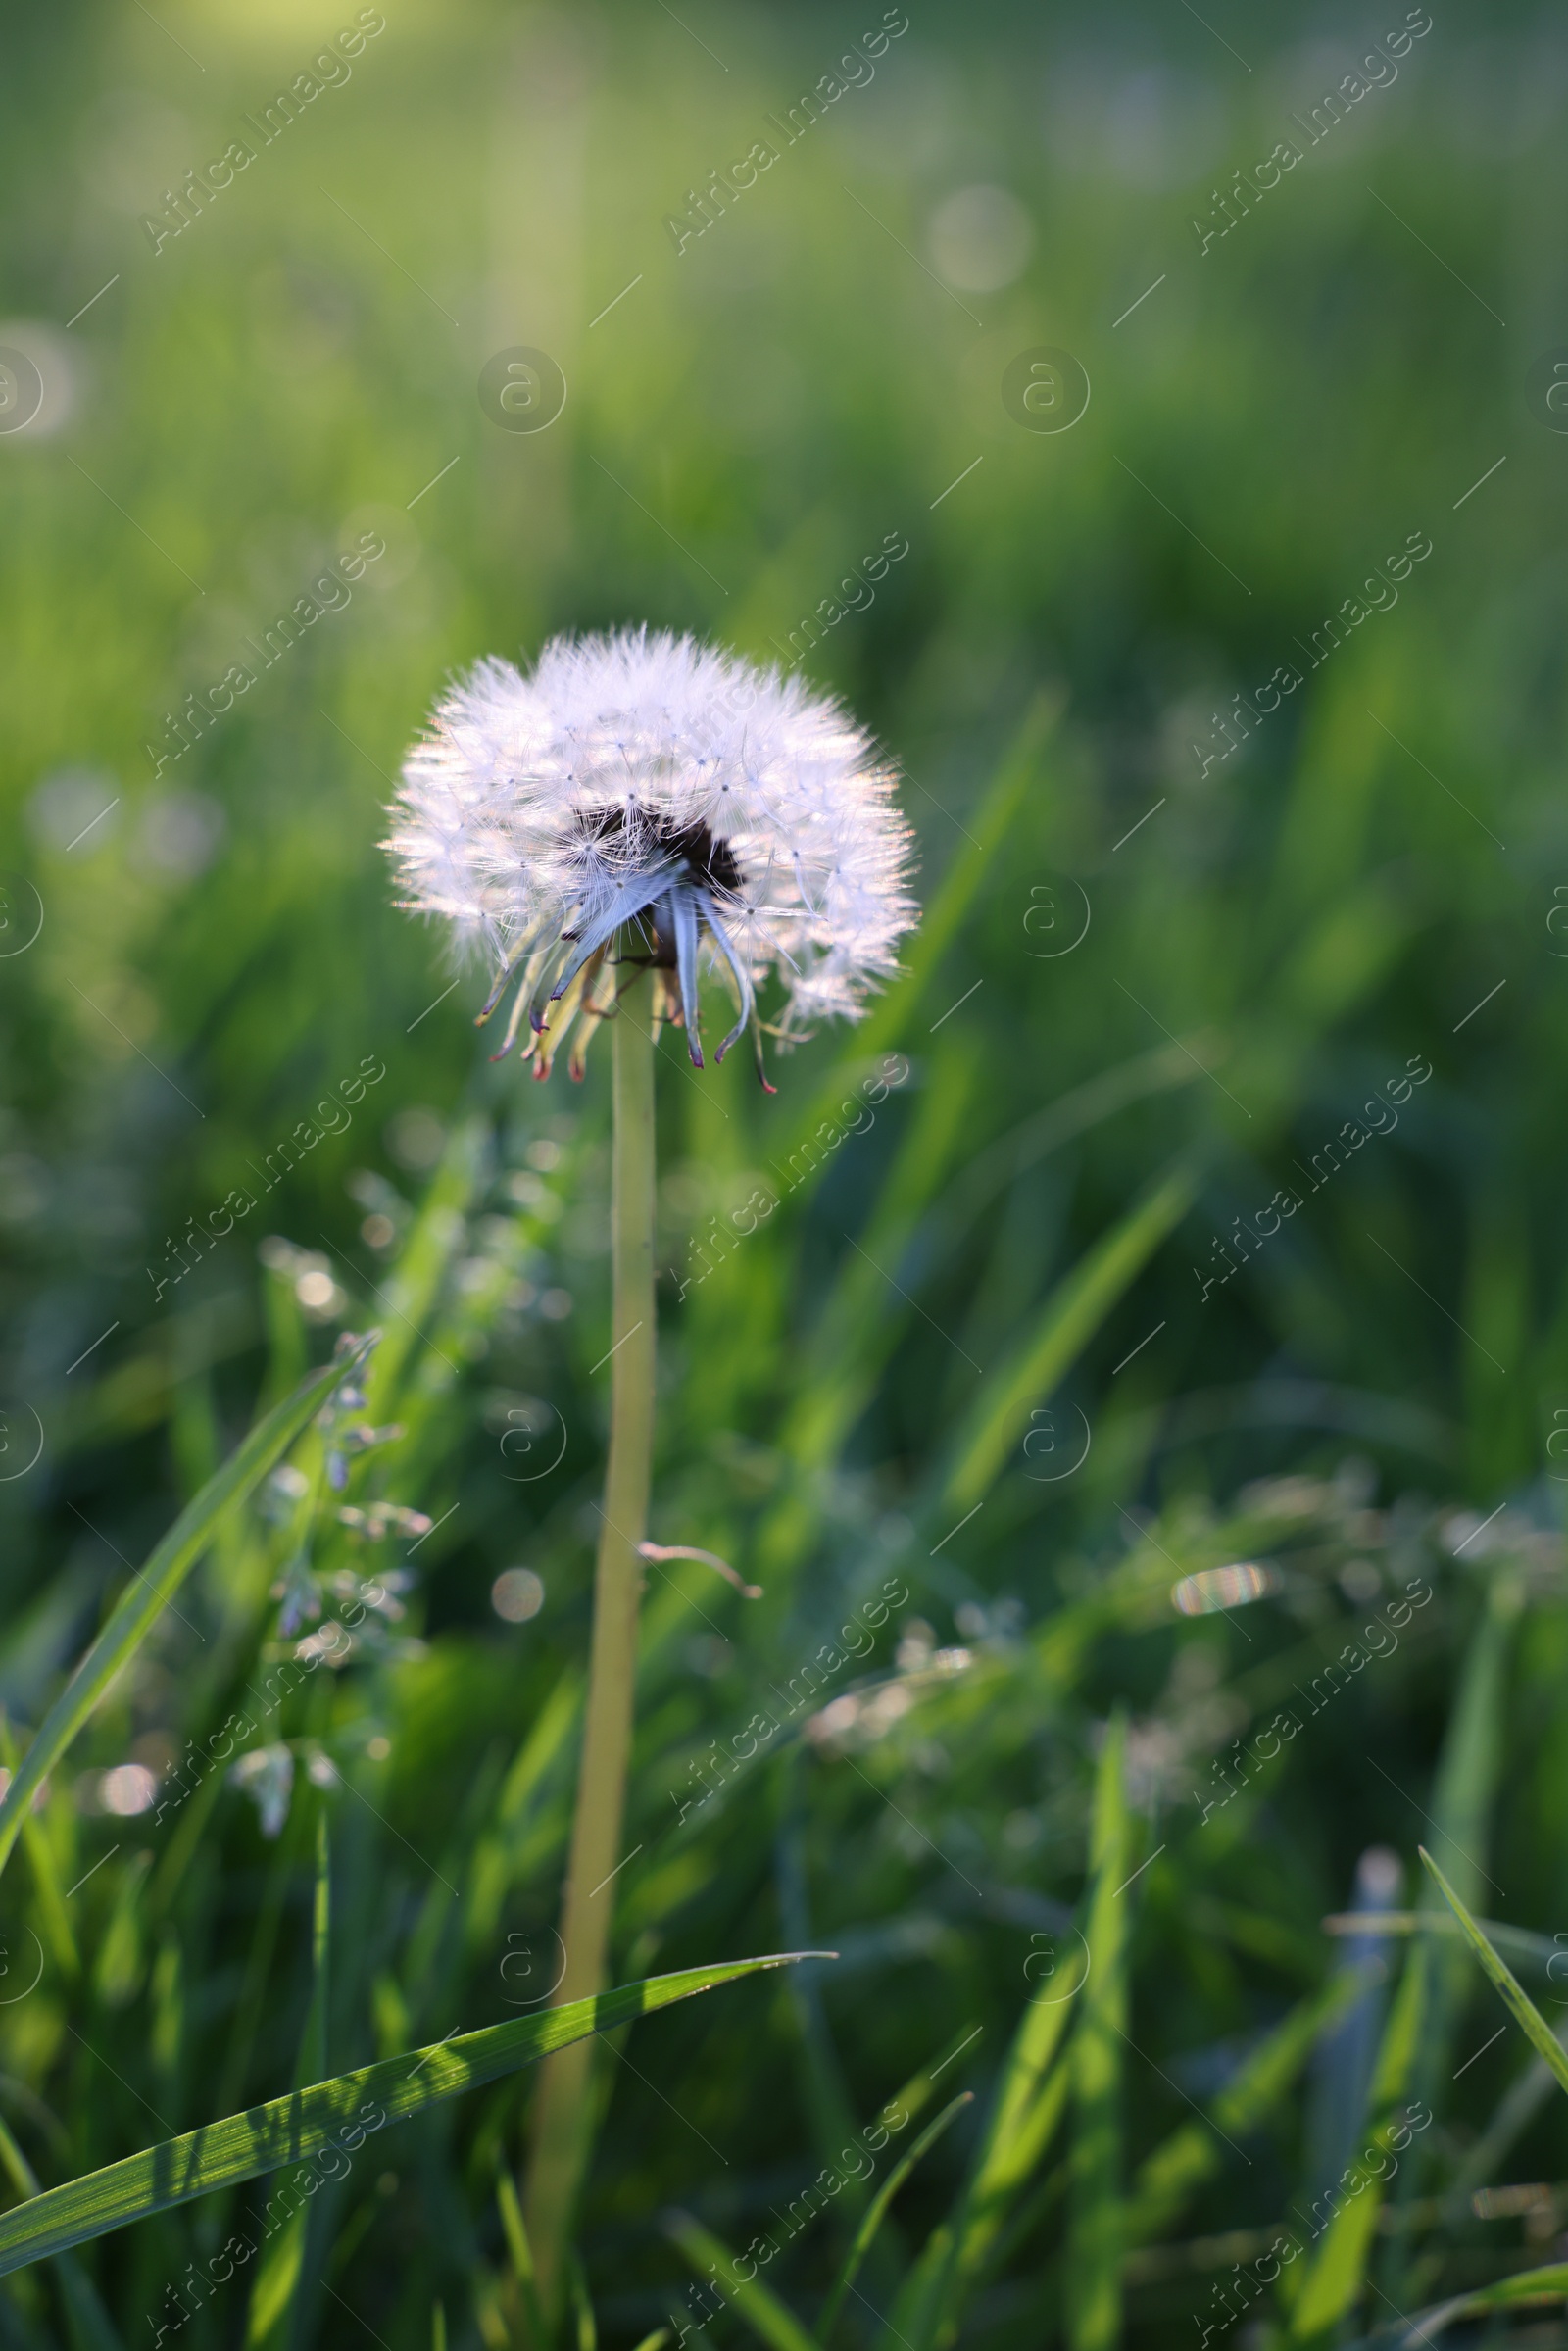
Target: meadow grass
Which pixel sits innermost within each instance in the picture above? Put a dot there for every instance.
(975, 1341)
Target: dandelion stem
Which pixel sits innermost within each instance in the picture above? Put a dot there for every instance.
(563, 2107)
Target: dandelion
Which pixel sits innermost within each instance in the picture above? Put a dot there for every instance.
(666, 794)
(591, 830)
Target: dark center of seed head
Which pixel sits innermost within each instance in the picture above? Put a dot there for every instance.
(705, 858)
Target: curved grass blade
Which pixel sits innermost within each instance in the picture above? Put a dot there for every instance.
(153, 1587)
(876, 2210)
(1068, 1320)
(1526, 2013)
(984, 836)
(1525, 2287)
(762, 2308)
(332, 2116)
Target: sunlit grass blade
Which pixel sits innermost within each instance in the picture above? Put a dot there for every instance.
(153, 1587)
(1094, 2218)
(1068, 1320)
(1540, 2033)
(332, 2116)
(755, 2303)
(877, 2210)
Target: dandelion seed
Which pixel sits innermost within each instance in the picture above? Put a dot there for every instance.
(637, 797)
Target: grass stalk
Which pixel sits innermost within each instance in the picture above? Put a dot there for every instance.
(563, 2108)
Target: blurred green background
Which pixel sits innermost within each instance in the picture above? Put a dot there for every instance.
(1365, 881)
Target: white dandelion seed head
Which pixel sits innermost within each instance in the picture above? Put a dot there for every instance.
(645, 779)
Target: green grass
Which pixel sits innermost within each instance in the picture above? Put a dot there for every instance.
(884, 1389)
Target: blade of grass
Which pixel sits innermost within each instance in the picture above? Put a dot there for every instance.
(1066, 1323)
(824, 2092)
(268, 2320)
(1465, 1790)
(1074, 1114)
(877, 2210)
(91, 2328)
(1332, 2284)
(311, 2065)
(1194, 2151)
(1028, 2103)
(582, 2309)
(1095, 2216)
(920, 2289)
(292, 2129)
(1526, 2286)
(761, 2308)
(1537, 2030)
(865, 1314)
(527, 1823)
(152, 1588)
(408, 1297)
(1515, 2110)
(1538, 1950)
(45, 1876)
(940, 920)
(1420, 2023)
(518, 2251)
